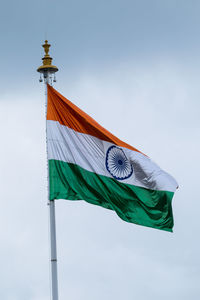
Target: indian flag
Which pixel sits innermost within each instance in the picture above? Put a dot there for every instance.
(87, 162)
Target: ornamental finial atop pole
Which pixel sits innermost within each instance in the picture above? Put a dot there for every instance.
(47, 69)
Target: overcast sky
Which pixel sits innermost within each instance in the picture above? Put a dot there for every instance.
(134, 66)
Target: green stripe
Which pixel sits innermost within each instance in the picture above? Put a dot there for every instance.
(132, 204)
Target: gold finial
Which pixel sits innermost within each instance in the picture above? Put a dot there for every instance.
(47, 59)
(46, 47)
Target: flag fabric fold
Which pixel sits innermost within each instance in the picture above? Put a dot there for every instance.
(86, 162)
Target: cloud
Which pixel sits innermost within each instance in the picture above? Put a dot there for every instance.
(155, 108)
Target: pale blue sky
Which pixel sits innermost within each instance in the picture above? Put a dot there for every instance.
(89, 34)
(134, 66)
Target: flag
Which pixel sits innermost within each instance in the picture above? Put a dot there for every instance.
(87, 162)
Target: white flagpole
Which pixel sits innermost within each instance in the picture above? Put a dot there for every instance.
(52, 228)
(47, 70)
(54, 277)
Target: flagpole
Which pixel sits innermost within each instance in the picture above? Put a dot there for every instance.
(47, 70)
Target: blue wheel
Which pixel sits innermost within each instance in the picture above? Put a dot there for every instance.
(118, 164)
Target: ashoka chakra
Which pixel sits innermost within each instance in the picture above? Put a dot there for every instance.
(118, 164)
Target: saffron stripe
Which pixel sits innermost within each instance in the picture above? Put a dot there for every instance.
(66, 113)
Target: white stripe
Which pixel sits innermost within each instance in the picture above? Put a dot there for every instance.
(68, 145)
